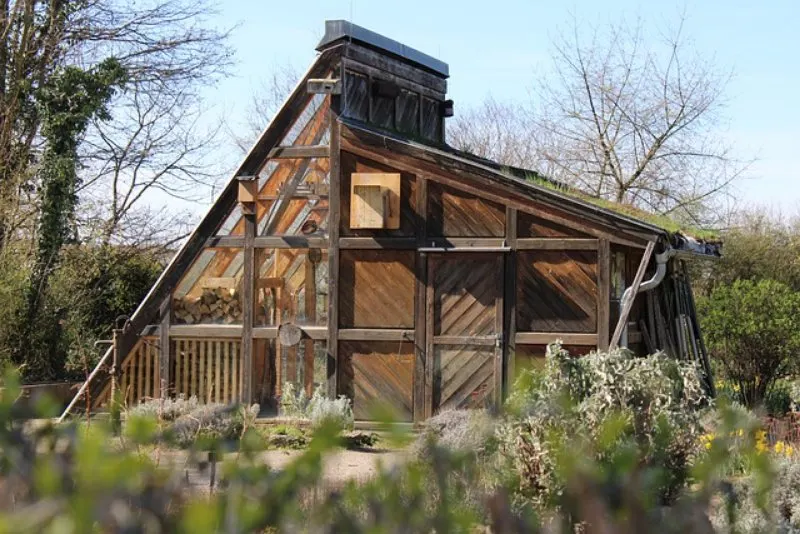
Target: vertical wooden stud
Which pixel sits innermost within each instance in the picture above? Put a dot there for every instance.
(226, 356)
(334, 216)
(235, 355)
(218, 372)
(163, 344)
(201, 374)
(509, 303)
(420, 210)
(603, 293)
(311, 317)
(140, 356)
(430, 350)
(248, 307)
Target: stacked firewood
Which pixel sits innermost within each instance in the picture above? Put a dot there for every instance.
(214, 306)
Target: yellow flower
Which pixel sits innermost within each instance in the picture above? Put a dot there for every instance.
(779, 447)
(789, 450)
(740, 433)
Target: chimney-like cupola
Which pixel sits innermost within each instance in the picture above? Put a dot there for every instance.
(389, 84)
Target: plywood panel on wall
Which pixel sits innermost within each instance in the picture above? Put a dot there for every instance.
(376, 289)
(377, 372)
(350, 164)
(454, 213)
(557, 291)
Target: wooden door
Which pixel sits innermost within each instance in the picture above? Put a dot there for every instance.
(464, 330)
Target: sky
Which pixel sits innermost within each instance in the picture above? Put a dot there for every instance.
(496, 49)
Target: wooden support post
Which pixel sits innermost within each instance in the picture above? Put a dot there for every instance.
(334, 215)
(603, 293)
(509, 302)
(634, 289)
(163, 344)
(248, 307)
(421, 282)
(312, 257)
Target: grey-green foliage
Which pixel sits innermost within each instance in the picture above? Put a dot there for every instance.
(319, 409)
(470, 431)
(605, 402)
(187, 422)
(783, 511)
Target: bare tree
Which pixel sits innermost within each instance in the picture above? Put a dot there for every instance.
(161, 140)
(624, 120)
(266, 101)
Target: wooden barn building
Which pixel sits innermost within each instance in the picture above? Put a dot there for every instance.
(354, 250)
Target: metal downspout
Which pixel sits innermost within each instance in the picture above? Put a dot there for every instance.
(648, 285)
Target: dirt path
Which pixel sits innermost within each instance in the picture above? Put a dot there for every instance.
(338, 467)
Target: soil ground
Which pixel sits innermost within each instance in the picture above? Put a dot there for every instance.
(338, 467)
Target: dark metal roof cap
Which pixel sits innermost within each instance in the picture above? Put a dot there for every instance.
(337, 30)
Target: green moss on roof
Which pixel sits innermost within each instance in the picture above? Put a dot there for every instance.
(661, 221)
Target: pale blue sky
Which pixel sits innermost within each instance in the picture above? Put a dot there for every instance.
(496, 48)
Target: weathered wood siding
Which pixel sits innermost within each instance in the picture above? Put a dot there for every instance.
(453, 213)
(378, 372)
(376, 289)
(557, 291)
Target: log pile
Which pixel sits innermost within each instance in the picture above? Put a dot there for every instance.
(214, 306)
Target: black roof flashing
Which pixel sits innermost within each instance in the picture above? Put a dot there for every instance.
(338, 30)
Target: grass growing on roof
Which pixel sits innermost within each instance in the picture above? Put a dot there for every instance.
(662, 221)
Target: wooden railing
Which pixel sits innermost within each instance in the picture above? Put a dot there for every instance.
(207, 368)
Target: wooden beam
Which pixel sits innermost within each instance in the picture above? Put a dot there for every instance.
(163, 344)
(603, 293)
(634, 289)
(369, 243)
(388, 64)
(429, 350)
(375, 334)
(509, 300)
(206, 330)
(361, 68)
(334, 215)
(545, 338)
(290, 241)
(420, 282)
(310, 303)
(556, 243)
(317, 333)
(466, 242)
(248, 307)
(299, 151)
(480, 341)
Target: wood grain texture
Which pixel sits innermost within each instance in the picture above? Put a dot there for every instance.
(557, 291)
(528, 357)
(376, 289)
(377, 372)
(463, 377)
(465, 289)
(356, 96)
(530, 225)
(350, 164)
(454, 213)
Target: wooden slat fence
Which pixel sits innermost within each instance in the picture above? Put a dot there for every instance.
(207, 368)
(139, 379)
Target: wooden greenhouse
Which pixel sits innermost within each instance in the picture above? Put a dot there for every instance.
(355, 251)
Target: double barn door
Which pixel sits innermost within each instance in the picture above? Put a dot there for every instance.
(464, 330)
